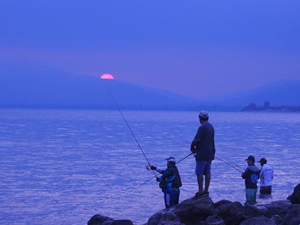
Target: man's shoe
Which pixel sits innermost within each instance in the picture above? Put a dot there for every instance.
(200, 194)
(206, 193)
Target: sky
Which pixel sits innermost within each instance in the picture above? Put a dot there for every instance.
(197, 48)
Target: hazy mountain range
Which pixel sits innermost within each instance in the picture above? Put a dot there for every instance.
(43, 87)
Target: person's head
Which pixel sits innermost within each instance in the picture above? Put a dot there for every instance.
(263, 161)
(203, 116)
(171, 161)
(250, 160)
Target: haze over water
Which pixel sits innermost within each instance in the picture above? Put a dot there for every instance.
(64, 166)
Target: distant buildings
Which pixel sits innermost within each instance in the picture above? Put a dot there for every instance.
(252, 107)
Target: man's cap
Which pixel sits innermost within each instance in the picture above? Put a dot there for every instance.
(203, 114)
(171, 159)
(251, 158)
(263, 160)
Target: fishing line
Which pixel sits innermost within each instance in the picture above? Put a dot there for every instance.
(129, 128)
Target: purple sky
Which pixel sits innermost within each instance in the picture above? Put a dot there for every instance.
(193, 47)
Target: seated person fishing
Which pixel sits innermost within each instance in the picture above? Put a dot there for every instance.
(169, 182)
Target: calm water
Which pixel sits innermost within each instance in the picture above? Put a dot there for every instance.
(64, 166)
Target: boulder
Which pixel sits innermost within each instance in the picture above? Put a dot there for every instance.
(293, 216)
(214, 220)
(104, 220)
(164, 217)
(100, 220)
(194, 210)
(294, 198)
(277, 219)
(222, 205)
(233, 214)
(259, 221)
(277, 207)
(252, 211)
(122, 222)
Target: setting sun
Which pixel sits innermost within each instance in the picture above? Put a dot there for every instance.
(107, 77)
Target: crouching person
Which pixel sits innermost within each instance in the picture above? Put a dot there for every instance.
(169, 182)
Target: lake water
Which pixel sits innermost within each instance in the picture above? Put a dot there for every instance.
(64, 166)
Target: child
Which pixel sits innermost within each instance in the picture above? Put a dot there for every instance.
(169, 182)
(251, 176)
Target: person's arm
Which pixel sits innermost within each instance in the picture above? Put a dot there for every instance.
(167, 173)
(245, 174)
(196, 140)
(261, 175)
(156, 169)
(194, 145)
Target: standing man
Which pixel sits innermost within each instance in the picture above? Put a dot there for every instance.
(203, 146)
(266, 177)
(251, 176)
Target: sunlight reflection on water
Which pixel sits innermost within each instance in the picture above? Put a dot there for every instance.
(62, 167)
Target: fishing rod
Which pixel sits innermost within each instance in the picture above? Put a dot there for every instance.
(129, 128)
(229, 164)
(147, 167)
(218, 159)
(184, 158)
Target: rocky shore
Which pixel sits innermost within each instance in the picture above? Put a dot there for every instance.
(203, 211)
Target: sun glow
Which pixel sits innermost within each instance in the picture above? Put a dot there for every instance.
(107, 77)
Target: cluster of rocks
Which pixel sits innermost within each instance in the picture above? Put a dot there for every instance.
(203, 211)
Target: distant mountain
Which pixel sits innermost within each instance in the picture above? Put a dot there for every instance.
(43, 87)
(283, 92)
(38, 86)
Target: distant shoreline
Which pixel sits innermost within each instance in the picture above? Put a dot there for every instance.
(252, 107)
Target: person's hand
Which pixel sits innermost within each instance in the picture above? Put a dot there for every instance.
(193, 150)
(153, 167)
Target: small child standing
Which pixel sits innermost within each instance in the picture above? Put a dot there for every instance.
(169, 182)
(251, 176)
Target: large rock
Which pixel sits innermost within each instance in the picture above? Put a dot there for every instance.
(214, 220)
(293, 216)
(104, 220)
(252, 211)
(280, 208)
(163, 218)
(295, 196)
(222, 205)
(122, 222)
(100, 220)
(259, 221)
(194, 210)
(277, 219)
(233, 214)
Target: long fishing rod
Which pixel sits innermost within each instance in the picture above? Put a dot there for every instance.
(129, 128)
(228, 164)
(184, 158)
(223, 162)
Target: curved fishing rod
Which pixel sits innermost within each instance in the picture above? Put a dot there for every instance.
(129, 128)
